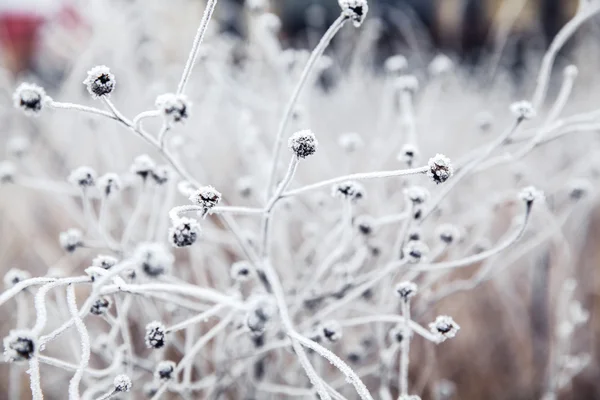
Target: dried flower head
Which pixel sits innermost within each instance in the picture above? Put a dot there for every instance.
(143, 166)
(206, 197)
(348, 190)
(303, 143)
(408, 154)
(174, 107)
(153, 259)
(522, 110)
(19, 345)
(332, 330)
(8, 170)
(530, 194)
(350, 142)
(155, 335)
(395, 64)
(355, 10)
(122, 383)
(240, 271)
(444, 327)
(448, 233)
(101, 305)
(71, 239)
(14, 276)
(84, 177)
(417, 194)
(100, 82)
(415, 251)
(30, 98)
(184, 232)
(407, 83)
(440, 168)
(406, 290)
(262, 310)
(109, 184)
(104, 261)
(164, 371)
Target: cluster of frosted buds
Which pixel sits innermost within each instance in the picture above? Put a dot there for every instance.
(261, 312)
(579, 188)
(153, 259)
(174, 107)
(303, 143)
(109, 184)
(143, 166)
(365, 224)
(84, 177)
(164, 371)
(448, 233)
(184, 232)
(415, 251)
(398, 333)
(100, 82)
(101, 306)
(440, 65)
(444, 327)
(206, 197)
(406, 290)
(332, 330)
(355, 10)
(417, 194)
(122, 383)
(7, 172)
(522, 110)
(155, 336)
(71, 239)
(348, 190)
(440, 168)
(408, 154)
(19, 345)
(350, 142)
(30, 98)
(395, 64)
(104, 261)
(14, 276)
(240, 271)
(407, 83)
(530, 194)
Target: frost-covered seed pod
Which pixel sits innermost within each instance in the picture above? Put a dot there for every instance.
(165, 371)
(84, 177)
(417, 194)
(104, 261)
(30, 98)
(348, 190)
(153, 259)
(175, 107)
(397, 333)
(414, 234)
(240, 271)
(161, 174)
(19, 345)
(444, 327)
(101, 306)
(448, 233)
(530, 194)
(143, 166)
(406, 290)
(571, 71)
(303, 143)
(206, 197)
(440, 65)
(122, 383)
(440, 168)
(71, 239)
(350, 142)
(355, 10)
(415, 251)
(522, 110)
(408, 154)
(155, 336)
(184, 232)
(109, 184)
(8, 170)
(395, 64)
(14, 276)
(332, 330)
(365, 224)
(262, 310)
(100, 82)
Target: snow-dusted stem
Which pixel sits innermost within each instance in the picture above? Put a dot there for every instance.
(405, 349)
(85, 344)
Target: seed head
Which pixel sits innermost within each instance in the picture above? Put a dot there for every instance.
(164, 371)
(398, 333)
(530, 194)
(84, 177)
(7, 172)
(71, 239)
(30, 98)
(348, 190)
(415, 251)
(184, 232)
(407, 83)
(440, 65)
(303, 143)
(440, 168)
(153, 259)
(206, 197)
(155, 335)
(365, 224)
(143, 166)
(14, 276)
(417, 194)
(104, 261)
(161, 174)
(261, 311)
(174, 107)
(406, 290)
(448, 233)
(240, 271)
(355, 10)
(332, 330)
(571, 71)
(444, 327)
(100, 82)
(408, 154)
(350, 142)
(395, 64)
(101, 306)
(109, 184)
(19, 345)
(522, 110)
(122, 383)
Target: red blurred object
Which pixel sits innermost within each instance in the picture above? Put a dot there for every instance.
(18, 37)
